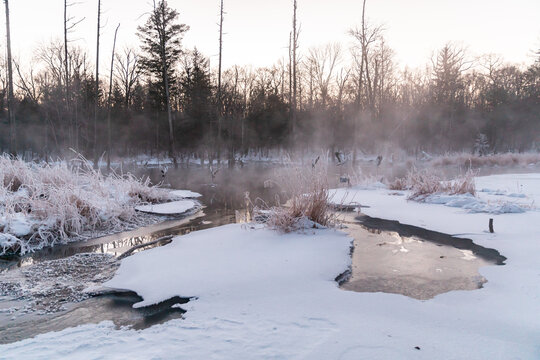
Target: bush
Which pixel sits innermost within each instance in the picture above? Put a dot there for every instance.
(426, 182)
(307, 205)
(60, 203)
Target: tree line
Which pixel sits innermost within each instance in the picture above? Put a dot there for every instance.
(163, 97)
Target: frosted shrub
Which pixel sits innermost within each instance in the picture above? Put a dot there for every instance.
(307, 191)
(46, 204)
(426, 182)
(481, 145)
(475, 161)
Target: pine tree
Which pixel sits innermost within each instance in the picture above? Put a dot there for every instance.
(161, 37)
(197, 93)
(481, 145)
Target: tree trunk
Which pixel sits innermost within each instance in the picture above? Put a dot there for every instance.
(11, 110)
(294, 48)
(96, 100)
(219, 100)
(166, 85)
(66, 75)
(109, 103)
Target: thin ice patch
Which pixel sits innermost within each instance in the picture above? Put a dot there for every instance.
(170, 208)
(184, 194)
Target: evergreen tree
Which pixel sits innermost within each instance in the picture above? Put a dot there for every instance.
(161, 37)
(196, 88)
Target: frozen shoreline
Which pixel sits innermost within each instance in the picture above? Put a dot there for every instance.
(274, 296)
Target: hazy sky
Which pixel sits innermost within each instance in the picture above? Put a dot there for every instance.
(257, 31)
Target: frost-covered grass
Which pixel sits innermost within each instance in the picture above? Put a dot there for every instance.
(475, 161)
(41, 205)
(306, 189)
(423, 183)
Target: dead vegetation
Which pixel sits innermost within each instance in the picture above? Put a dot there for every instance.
(307, 192)
(62, 202)
(475, 161)
(423, 183)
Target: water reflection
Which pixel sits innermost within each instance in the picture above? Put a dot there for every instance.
(395, 258)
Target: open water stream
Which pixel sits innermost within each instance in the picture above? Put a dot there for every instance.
(59, 287)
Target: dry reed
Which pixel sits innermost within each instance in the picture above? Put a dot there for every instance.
(426, 182)
(62, 203)
(475, 161)
(307, 205)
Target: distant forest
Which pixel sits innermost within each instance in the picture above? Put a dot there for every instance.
(162, 97)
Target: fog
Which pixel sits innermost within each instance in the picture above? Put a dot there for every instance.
(351, 98)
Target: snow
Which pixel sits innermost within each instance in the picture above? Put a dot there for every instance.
(231, 255)
(497, 196)
(265, 295)
(18, 224)
(169, 208)
(8, 241)
(183, 194)
(473, 204)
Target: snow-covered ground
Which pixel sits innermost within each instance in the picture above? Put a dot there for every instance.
(169, 208)
(259, 294)
(496, 194)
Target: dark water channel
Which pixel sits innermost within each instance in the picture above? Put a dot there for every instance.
(59, 287)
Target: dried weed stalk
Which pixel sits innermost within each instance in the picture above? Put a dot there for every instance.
(475, 161)
(426, 182)
(307, 192)
(62, 202)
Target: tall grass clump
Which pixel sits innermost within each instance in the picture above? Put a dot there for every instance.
(423, 183)
(492, 160)
(41, 205)
(306, 191)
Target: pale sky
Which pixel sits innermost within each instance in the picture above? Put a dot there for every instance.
(257, 31)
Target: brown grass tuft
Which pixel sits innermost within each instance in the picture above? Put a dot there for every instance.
(307, 191)
(426, 182)
(475, 161)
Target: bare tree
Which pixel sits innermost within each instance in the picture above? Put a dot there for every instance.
(341, 80)
(219, 99)
(69, 25)
(128, 72)
(28, 84)
(295, 34)
(382, 68)
(246, 83)
(11, 110)
(366, 36)
(324, 62)
(96, 90)
(109, 103)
